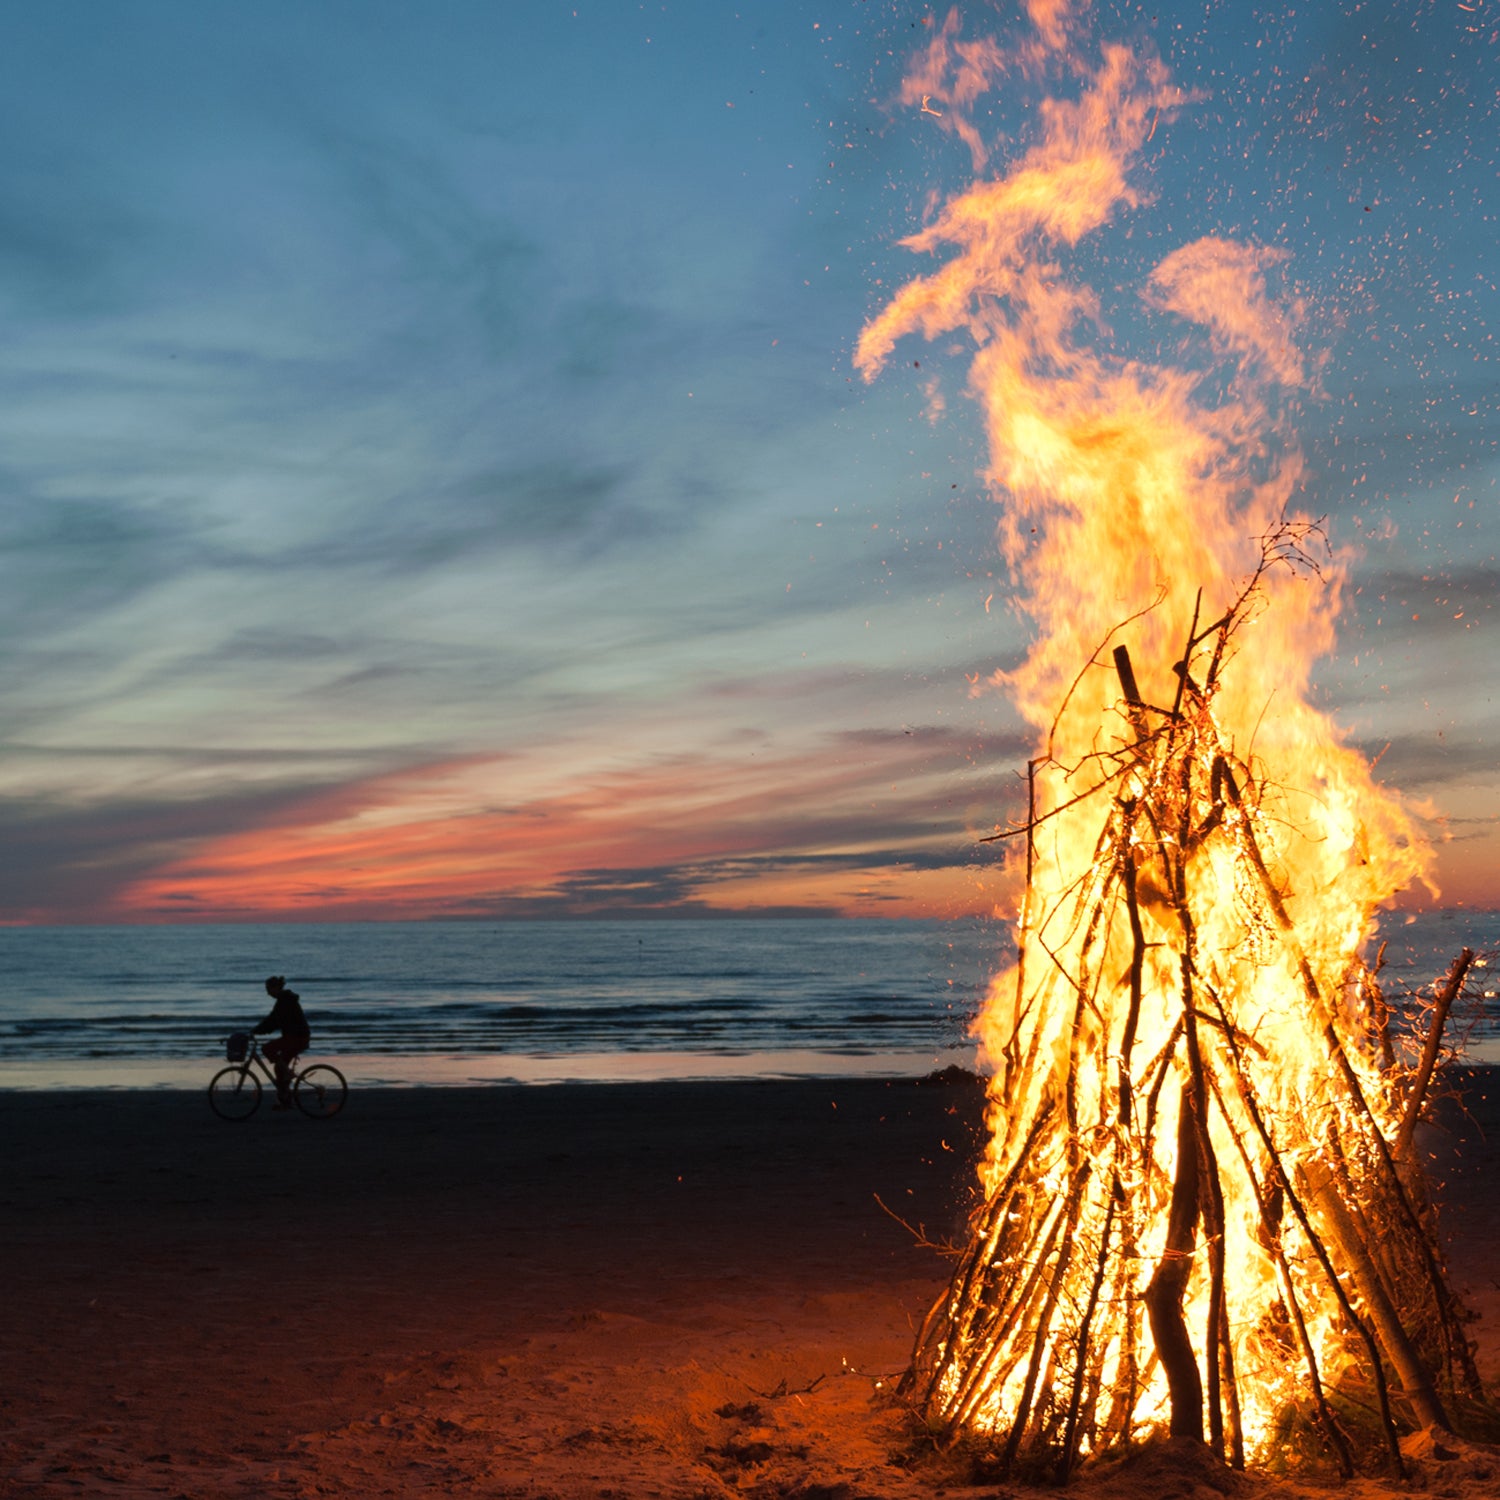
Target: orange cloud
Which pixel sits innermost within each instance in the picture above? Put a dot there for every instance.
(734, 830)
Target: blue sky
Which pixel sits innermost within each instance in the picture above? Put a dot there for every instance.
(433, 479)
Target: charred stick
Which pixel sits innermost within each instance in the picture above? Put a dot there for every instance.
(1211, 1196)
(1212, 1212)
(1183, 668)
(1443, 1003)
(1025, 943)
(1415, 1381)
(1380, 1012)
(1137, 967)
(1101, 1265)
(1126, 674)
(1160, 1066)
(1219, 1300)
(1231, 1389)
(1127, 1294)
(1223, 630)
(1169, 1282)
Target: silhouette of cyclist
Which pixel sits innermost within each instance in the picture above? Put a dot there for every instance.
(287, 1018)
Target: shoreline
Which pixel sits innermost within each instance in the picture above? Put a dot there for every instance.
(448, 1071)
(499, 1069)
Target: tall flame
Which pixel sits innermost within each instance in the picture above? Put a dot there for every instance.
(1205, 854)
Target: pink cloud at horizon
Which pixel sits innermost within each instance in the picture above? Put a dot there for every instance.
(876, 826)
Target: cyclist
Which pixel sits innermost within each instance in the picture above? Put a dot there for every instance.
(287, 1018)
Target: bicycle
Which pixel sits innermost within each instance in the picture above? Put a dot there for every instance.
(234, 1092)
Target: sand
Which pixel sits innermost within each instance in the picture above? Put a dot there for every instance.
(678, 1290)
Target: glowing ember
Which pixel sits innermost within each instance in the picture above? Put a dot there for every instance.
(1201, 1211)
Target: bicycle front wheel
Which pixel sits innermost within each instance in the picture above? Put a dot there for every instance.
(320, 1091)
(234, 1093)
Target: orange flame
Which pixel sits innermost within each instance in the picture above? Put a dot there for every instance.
(1124, 494)
(1139, 499)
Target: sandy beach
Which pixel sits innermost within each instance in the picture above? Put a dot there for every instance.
(678, 1290)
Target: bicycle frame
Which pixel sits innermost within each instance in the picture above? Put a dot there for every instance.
(267, 1070)
(318, 1090)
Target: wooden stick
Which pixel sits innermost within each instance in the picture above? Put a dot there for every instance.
(1457, 972)
(1137, 965)
(1044, 1323)
(975, 1384)
(987, 1315)
(1380, 1012)
(1126, 673)
(960, 1299)
(1169, 1282)
(1025, 941)
(1070, 1428)
(1212, 1214)
(1135, 705)
(1185, 666)
(1415, 1381)
(1211, 1200)
(1231, 1390)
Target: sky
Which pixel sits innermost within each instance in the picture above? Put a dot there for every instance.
(434, 481)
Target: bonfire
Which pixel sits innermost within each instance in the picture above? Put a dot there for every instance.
(1202, 1212)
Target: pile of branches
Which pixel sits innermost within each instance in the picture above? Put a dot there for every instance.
(1106, 1288)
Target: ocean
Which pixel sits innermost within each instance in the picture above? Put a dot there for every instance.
(538, 1002)
(460, 1002)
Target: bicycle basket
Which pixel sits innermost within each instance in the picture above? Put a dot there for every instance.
(237, 1046)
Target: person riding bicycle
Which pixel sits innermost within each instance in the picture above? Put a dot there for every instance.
(287, 1018)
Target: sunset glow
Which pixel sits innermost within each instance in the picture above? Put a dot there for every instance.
(438, 477)
(507, 837)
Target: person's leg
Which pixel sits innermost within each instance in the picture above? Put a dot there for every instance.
(277, 1052)
(291, 1047)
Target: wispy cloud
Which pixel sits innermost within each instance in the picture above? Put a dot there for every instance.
(477, 834)
(433, 476)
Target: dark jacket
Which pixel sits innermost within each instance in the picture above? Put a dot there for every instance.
(286, 1017)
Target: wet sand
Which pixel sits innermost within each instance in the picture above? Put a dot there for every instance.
(680, 1290)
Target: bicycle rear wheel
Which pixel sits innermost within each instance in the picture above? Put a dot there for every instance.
(320, 1091)
(234, 1093)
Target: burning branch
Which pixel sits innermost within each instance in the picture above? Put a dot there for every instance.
(1449, 992)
